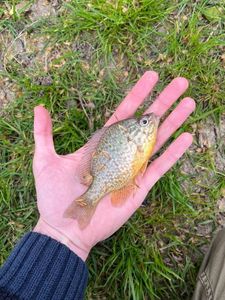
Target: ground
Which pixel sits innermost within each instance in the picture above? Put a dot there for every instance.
(80, 58)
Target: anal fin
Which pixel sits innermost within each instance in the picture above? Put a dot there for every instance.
(119, 197)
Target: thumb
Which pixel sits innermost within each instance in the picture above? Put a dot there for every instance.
(43, 131)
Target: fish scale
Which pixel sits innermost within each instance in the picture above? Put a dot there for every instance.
(122, 151)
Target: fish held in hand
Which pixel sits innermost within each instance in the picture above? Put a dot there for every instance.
(116, 155)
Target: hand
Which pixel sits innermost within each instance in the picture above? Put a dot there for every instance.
(55, 175)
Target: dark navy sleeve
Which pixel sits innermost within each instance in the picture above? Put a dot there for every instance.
(40, 267)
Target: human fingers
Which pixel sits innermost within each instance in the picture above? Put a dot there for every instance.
(43, 131)
(163, 163)
(168, 96)
(131, 102)
(175, 119)
(135, 97)
(160, 166)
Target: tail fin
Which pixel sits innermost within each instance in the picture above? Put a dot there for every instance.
(81, 211)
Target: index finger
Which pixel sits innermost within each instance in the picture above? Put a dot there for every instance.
(135, 97)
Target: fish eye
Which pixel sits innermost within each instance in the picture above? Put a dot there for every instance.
(144, 121)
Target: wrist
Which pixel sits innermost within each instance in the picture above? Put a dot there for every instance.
(46, 229)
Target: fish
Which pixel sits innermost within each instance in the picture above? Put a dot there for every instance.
(119, 153)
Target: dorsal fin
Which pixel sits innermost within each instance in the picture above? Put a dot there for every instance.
(86, 153)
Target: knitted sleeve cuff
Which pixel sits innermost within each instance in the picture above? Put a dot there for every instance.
(42, 268)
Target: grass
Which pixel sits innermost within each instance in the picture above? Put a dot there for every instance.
(96, 51)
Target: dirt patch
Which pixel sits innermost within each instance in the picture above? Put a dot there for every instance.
(85, 49)
(20, 53)
(212, 137)
(28, 49)
(8, 92)
(25, 51)
(210, 146)
(220, 209)
(209, 140)
(43, 9)
(39, 9)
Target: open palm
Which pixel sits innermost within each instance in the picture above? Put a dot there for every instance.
(56, 176)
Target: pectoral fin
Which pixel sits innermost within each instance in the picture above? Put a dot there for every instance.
(119, 197)
(144, 167)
